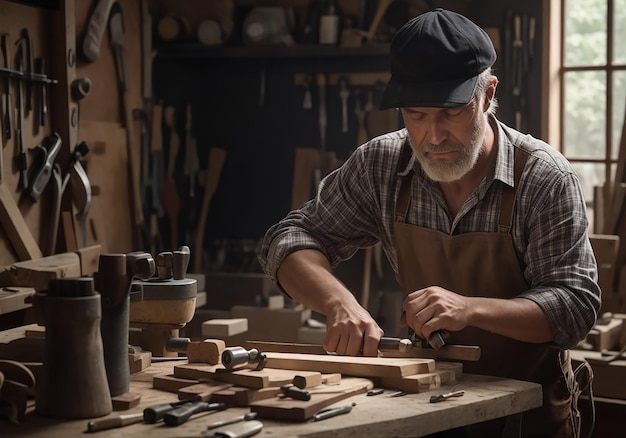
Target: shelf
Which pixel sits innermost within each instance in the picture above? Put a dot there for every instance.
(199, 51)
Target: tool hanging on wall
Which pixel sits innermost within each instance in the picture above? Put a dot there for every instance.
(520, 35)
(40, 68)
(61, 182)
(322, 120)
(21, 152)
(25, 39)
(8, 105)
(48, 149)
(344, 95)
(217, 157)
(169, 191)
(117, 37)
(95, 30)
(156, 174)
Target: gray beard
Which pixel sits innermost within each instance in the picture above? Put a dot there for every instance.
(449, 171)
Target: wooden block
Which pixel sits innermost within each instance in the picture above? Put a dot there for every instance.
(609, 379)
(207, 351)
(445, 372)
(89, 257)
(275, 301)
(14, 344)
(38, 273)
(14, 298)
(331, 378)
(606, 337)
(321, 397)
(242, 396)
(223, 328)
(266, 324)
(138, 359)
(351, 366)
(622, 338)
(201, 391)
(193, 329)
(125, 401)
(170, 383)
(307, 381)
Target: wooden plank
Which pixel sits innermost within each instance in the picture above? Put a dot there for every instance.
(445, 373)
(242, 396)
(15, 228)
(37, 273)
(202, 391)
(267, 377)
(449, 352)
(89, 257)
(351, 366)
(13, 298)
(171, 383)
(321, 397)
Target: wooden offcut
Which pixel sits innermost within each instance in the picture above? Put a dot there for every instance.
(445, 373)
(250, 378)
(15, 298)
(202, 391)
(351, 366)
(223, 328)
(206, 351)
(170, 383)
(321, 397)
(37, 273)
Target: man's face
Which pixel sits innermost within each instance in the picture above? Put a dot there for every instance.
(447, 141)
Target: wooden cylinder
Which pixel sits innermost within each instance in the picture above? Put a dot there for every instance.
(73, 382)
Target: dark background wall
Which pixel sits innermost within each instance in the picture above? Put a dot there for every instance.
(261, 130)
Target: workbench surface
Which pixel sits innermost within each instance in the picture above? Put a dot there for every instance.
(410, 415)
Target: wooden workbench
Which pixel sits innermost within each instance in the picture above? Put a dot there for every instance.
(407, 416)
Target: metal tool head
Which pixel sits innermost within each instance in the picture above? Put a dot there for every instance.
(239, 357)
(116, 25)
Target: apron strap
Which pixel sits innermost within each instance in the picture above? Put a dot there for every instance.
(402, 203)
(507, 202)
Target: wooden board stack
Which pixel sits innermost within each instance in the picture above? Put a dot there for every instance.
(328, 378)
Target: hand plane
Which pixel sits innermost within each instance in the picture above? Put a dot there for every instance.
(49, 148)
(435, 341)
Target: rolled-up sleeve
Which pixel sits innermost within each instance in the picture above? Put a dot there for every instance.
(559, 259)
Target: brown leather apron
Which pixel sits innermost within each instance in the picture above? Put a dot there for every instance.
(485, 264)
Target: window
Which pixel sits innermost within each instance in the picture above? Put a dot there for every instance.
(587, 113)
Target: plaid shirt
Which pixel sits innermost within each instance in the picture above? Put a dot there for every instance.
(355, 208)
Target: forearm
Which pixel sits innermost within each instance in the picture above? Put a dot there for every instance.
(516, 318)
(307, 277)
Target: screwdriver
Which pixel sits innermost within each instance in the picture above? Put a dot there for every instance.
(181, 414)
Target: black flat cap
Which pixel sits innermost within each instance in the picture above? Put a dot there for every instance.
(436, 58)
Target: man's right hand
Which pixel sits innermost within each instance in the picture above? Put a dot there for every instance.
(307, 277)
(351, 331)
